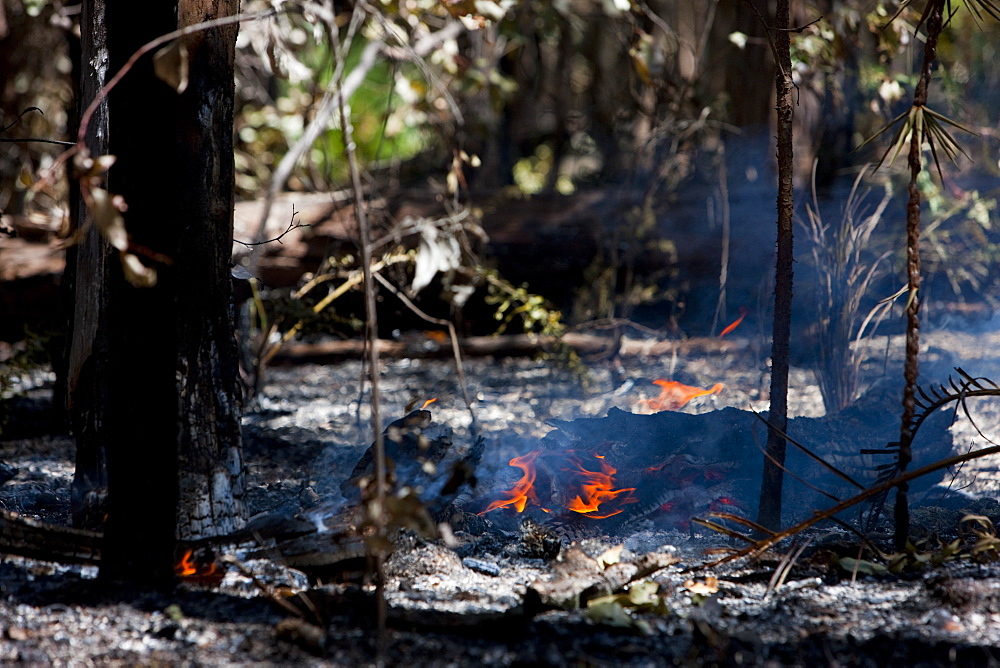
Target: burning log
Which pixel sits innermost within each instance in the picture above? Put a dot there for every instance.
(669, 466)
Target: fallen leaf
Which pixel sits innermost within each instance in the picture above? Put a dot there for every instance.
(706, 588)
(611, 556)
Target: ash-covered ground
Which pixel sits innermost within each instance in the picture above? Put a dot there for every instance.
(485, 598)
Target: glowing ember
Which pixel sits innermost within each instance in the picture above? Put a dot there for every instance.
(736, 323)
(524, 491)
(674, 395)
(598, 488)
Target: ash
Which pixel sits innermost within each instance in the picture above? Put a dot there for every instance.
(486, 596)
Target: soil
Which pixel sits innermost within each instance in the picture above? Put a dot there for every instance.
(475, 598)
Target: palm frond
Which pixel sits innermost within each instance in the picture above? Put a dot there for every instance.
(929, 126)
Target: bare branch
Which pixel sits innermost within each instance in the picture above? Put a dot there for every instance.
(292, 225)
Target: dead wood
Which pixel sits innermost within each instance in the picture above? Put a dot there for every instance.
(772, 540)
(513, 345)
(26, 537)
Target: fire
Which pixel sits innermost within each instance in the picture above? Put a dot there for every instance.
(674, 395)
(522, 492)
(185, 567)
(598, 488)
(195, 571)
(595, 489)
(736, 323)
(428, 403)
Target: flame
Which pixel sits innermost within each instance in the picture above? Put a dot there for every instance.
(735, 323)
(185, 567)
(428, 403)
(598, 488)
(522, 492)
(201, 572)
(674, 395)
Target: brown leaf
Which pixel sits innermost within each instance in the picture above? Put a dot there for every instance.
(108, 218)
(136, 273)
(706, 588)
(171, 65)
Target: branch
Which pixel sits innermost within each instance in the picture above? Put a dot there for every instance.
(27, 140)
(116, 79)
(772, 540)
(292, 225)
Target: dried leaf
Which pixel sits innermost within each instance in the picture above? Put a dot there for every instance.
(108, 218)
(171, 65)
(610, 610)
(136, 273)
(438, 252)
(643, 593)
(611, 556)
(706, 588)
(852, 565)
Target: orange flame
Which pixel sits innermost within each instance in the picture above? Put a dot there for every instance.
(428, 403)
(674, 395)
(522, 492)
(598, 488)
(185, 567)
(191, 570)
(736, 323)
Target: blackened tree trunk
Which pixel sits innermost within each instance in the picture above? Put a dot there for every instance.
(769, 510)
(153, 376)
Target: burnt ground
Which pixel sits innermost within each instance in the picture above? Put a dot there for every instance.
(484, 598)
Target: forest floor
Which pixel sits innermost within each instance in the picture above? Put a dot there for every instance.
(469, 603)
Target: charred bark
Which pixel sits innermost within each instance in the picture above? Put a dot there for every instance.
(87, 270)
(769, 511)
(153, 372)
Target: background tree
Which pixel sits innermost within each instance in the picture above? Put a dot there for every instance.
(153, 376)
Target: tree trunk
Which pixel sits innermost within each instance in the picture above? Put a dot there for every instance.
(769, 510)
(911, 367)
(153, 371)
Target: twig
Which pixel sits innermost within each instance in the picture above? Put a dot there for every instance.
(27, 140)
(338, 89)
(140, 52)
(769, 541)
(292, 225)
(376, 507)
(452, 334)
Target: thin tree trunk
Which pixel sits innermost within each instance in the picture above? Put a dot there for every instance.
(911, 366)
(769, 510)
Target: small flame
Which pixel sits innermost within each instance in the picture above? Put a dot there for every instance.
(735, 323)
(522, 492)
(185, 567)
(597, 489)
(674, 395)
(200, 572)
(428, 403)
